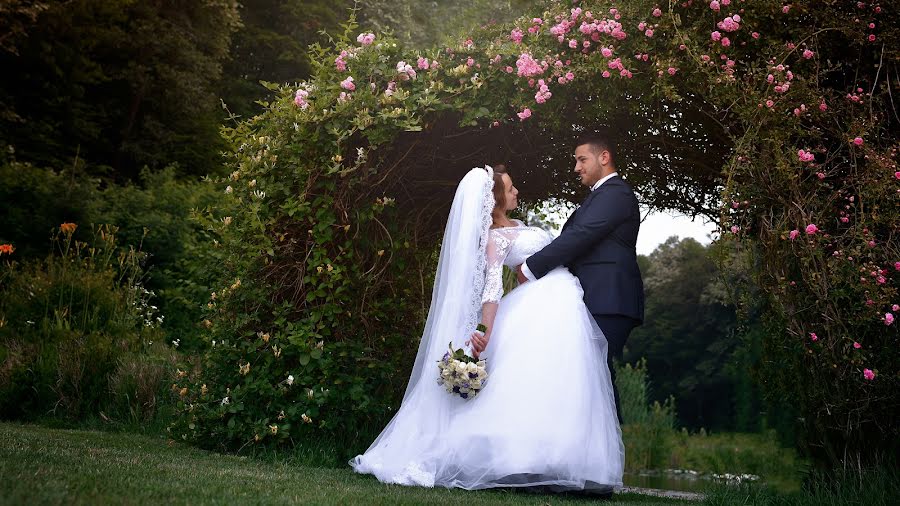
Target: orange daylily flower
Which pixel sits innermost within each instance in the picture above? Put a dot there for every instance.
(7, 248)
(68, 228)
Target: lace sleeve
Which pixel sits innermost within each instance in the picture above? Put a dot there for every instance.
(497, 249)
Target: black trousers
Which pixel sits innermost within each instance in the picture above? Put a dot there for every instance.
(616, 328)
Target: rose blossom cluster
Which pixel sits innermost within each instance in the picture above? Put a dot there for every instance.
(366, 38)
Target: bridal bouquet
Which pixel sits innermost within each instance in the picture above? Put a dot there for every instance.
(461, 374)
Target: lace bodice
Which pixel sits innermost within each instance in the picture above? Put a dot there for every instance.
(509, 246)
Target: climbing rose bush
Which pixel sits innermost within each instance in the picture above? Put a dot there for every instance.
(314, 324)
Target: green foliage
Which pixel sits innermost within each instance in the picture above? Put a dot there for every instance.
(647, 427)
(71, 326)
(154, 214)
(37, 200)
(119, 84)
(426, 23)
(16, 16)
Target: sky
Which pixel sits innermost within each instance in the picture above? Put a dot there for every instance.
(655, 229)
(658, 227)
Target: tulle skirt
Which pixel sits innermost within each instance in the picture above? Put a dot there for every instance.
(546, 416)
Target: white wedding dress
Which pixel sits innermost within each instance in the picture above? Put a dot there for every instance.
(546, 416)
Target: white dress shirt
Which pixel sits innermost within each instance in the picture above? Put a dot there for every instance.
(525, 270)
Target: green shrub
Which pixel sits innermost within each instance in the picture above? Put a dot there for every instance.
(152, 215)
(69, 323)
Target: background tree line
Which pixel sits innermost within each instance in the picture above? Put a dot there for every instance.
(126, 85)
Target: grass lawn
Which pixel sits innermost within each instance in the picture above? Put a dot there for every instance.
(41, 465)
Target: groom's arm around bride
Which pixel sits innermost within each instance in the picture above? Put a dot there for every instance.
(598, 245)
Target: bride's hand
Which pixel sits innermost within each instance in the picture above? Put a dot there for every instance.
(479, 343)
(520, 276)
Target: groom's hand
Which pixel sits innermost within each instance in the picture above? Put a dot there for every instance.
(520, 275)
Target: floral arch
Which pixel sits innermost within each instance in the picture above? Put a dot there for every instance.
(774, 119)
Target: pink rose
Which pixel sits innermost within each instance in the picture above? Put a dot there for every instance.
(808, 54)
(813, 336)
(811, 229)
(856, 345)
(896, 307)
(868, 374)
(888, 318)
(858, 141)
(794, 233)
(525, 114)
(365, 38)
(714, 5)
(347, 84)
(672, 71)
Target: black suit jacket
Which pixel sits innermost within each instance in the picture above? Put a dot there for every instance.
(598, 244)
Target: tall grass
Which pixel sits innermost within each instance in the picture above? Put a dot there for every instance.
(79, 334)
(874, 487)
(648, 428)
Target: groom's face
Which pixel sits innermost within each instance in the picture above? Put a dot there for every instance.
(589, 163)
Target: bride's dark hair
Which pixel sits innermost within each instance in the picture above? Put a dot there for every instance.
(499, 187)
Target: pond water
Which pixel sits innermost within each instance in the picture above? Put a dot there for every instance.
(682, 480)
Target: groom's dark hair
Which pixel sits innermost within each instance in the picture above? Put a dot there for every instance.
(599, 141)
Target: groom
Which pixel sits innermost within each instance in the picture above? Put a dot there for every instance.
(597, 244)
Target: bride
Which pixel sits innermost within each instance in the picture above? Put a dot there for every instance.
(546, 416)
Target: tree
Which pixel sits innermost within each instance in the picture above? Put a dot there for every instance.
(118, 84)
(689, 334)
(272, 45)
